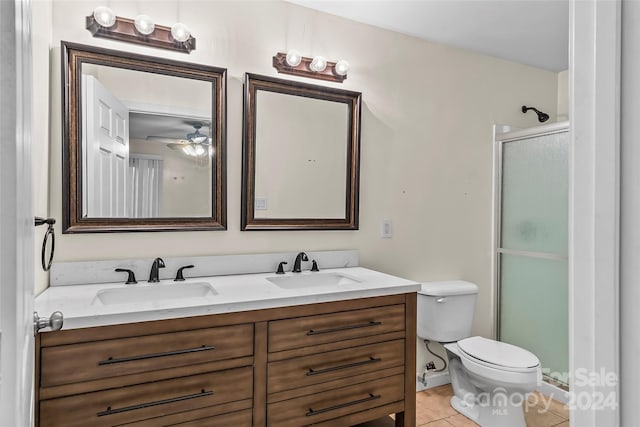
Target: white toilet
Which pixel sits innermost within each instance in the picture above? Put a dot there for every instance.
(490, 379)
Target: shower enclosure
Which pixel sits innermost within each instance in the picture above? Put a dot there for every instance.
(531, 247)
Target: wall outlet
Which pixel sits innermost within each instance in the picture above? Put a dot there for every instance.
(430, 366)
(386, 229)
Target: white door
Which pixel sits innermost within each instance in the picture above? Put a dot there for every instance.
(105, 144)
(16, 218)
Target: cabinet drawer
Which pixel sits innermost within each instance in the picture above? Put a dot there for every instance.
(320, 329)
(67, 364)
(322, 367)
(336, 403)
(149, 400)
(235, 419)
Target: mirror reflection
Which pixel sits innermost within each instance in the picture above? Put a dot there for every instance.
(288, 133)
(301, 156)
(146, 144)
(143, 142)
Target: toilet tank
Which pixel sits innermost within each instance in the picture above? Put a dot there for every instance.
(445, 310)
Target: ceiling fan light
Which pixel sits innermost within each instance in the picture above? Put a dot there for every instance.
(188, 150)
(199, 139)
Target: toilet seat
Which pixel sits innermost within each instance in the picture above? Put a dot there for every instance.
(498, 355)
(488, 357)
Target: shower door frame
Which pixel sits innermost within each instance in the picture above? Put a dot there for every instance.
(499, 141)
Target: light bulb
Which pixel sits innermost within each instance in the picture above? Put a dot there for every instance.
(144, 24)
(318, 64)
(104, 16)
(199, 149)
(294, 58)
(180, 32)
(342, 67)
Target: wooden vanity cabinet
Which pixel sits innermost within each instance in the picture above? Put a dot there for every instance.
(335, 364)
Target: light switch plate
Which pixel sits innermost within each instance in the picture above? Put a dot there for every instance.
(261, 204)
(386, 229)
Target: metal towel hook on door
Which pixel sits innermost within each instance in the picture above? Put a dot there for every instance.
(46, 266)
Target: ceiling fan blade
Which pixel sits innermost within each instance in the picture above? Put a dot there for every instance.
(167, 140)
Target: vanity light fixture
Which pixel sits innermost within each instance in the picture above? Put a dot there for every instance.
(180, 32)
(342, 67)
(318, 64)
(316, 68)
(104, 16)
(141, 30)
(144, 24)
(293, 58)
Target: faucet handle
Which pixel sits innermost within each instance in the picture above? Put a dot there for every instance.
(314, 266)
(131, 279)
(281, 268)
(179, 275)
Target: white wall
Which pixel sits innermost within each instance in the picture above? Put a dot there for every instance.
(41, 16)
(563, 96)
(427, 119)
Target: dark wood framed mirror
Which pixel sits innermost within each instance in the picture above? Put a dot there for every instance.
(144, 143)
(301, 156)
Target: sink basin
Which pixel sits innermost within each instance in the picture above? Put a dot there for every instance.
(155, 293)
(312, 280)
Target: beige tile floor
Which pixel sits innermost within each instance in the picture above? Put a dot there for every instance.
(433, 410)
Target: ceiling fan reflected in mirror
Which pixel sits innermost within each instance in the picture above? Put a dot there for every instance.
(195, 144)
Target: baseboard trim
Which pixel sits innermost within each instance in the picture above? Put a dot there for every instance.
(433, 380)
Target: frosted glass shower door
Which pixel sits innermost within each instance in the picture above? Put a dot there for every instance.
(532, 248)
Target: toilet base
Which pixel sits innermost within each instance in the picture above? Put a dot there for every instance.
(490, 416)
(475, 400)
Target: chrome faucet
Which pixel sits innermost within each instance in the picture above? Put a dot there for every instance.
(299, 258)
(158, 263)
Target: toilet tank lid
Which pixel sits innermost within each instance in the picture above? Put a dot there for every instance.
(448, 288)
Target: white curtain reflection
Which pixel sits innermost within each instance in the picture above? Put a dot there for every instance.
(146, 185)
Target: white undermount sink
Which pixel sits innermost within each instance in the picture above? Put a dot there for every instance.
(311, 280)
(155, 293)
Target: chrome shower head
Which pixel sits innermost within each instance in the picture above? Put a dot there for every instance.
(542, 117)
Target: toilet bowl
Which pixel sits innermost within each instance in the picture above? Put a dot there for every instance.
(490, 379)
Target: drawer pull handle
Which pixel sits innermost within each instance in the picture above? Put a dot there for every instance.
(342, 405)
(347, 366)
(343, 328)
(110, 411)
(111, 360)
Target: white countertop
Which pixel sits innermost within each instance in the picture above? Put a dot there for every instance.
(242, 292)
